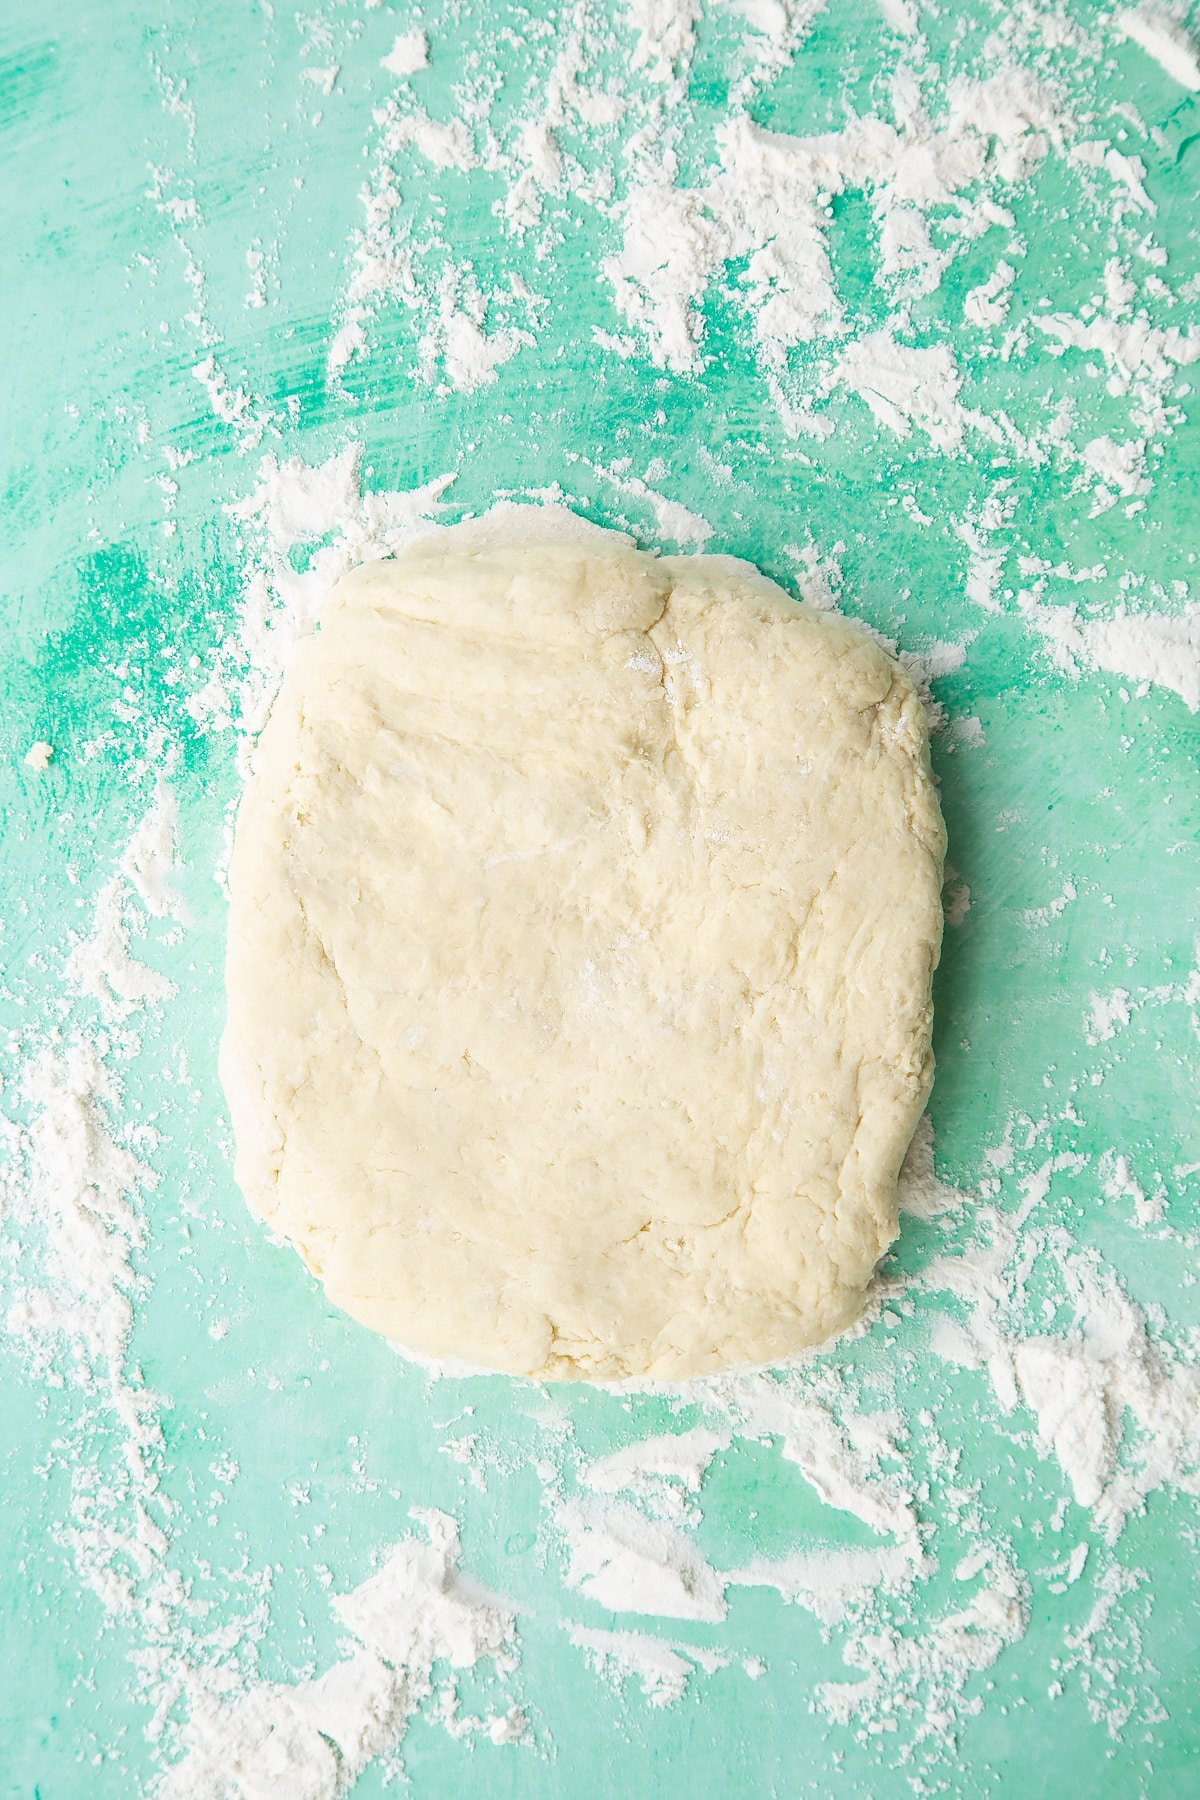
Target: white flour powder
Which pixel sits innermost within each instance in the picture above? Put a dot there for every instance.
(1151, 649)
(315, 1738)
(1164, 38)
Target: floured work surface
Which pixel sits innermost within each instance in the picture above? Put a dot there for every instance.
(910, 326)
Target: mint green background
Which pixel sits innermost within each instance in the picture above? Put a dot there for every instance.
(1073, 782)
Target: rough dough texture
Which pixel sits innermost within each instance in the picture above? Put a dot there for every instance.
(584, 906)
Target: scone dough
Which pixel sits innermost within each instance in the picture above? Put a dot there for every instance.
(584, 907)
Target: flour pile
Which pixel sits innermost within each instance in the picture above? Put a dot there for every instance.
(318, 1736)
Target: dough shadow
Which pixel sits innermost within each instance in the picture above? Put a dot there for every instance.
(960, 986)
(960, 978)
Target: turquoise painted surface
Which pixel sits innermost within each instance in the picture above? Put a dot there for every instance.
(1074, 782)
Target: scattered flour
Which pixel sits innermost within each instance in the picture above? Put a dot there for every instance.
(1113, 1407)
(930, 1673)
(1159, 649)
(626, 1562)
(662, 1666)
(989, 303)
(829, 1583)
(1096, 1394)
(1119, 1412)
(1106, 1015)
(663, 1472)
(1165, 39)
(923, 1195)
(456, 342)
(1070, 1366)
(905, 386)
(673, 522)
(666, 38)
(840, 1464)
(409, 53)
(770, 204)
(314, 1738)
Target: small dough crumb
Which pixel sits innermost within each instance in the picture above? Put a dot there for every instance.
(38, 755)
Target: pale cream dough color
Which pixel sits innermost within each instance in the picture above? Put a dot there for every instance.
(584, 907)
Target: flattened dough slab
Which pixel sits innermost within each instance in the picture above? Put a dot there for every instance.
(584, 908)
